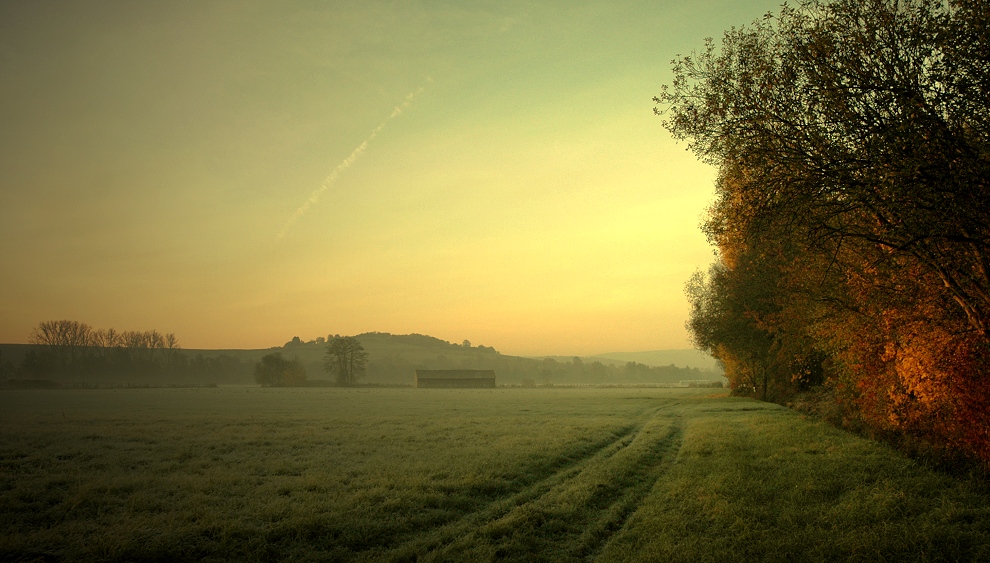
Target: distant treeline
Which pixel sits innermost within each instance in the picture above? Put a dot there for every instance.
(71, 352)
(68, 350)
(512, 369)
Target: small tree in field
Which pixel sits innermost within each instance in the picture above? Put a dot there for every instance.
(346, 360)
(275, 371)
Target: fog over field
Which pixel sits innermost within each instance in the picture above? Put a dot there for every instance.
(251, 474)
(390, 360)
(475, 280)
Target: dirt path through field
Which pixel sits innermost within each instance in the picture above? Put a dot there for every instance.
(576, 509)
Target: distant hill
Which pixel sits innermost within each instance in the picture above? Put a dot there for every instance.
(394, 358)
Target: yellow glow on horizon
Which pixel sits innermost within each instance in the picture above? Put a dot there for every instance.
(201, 178)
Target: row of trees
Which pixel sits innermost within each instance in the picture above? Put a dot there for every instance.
(74, 351)
(72, 348)
(852, 219)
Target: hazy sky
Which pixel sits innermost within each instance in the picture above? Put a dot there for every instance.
(220, 170)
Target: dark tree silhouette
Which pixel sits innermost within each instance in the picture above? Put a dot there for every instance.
(345, 360)
(853, 211)
(275, 371)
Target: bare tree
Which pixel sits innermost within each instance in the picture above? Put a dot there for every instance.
(138, 346)
(105, 341)
(66, 341)
(170, 347)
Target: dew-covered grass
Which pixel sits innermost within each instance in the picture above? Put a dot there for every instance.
(316, 474)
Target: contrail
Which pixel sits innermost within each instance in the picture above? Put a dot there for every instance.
(346, 163)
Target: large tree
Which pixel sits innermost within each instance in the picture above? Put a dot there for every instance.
(863, 123)
(853, 142)
(345, 360)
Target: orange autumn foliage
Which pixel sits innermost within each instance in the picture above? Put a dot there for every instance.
(853, 212)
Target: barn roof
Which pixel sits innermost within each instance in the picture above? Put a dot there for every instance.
(456, 373)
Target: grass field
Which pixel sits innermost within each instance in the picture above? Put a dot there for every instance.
(253, 474)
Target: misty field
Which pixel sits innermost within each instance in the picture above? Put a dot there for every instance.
(254, 474)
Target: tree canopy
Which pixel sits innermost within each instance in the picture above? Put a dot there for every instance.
(853, 209)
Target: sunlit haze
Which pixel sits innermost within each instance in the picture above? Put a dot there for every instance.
(239, 173)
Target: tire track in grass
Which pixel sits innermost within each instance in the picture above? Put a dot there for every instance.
(575, 519)
(408, 547)
(572, 513)
(433, 543)
(498, 508)
(651, 467)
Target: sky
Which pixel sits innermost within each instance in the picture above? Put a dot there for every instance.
(239, 173)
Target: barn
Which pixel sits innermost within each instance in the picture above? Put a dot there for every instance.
(459, 378)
